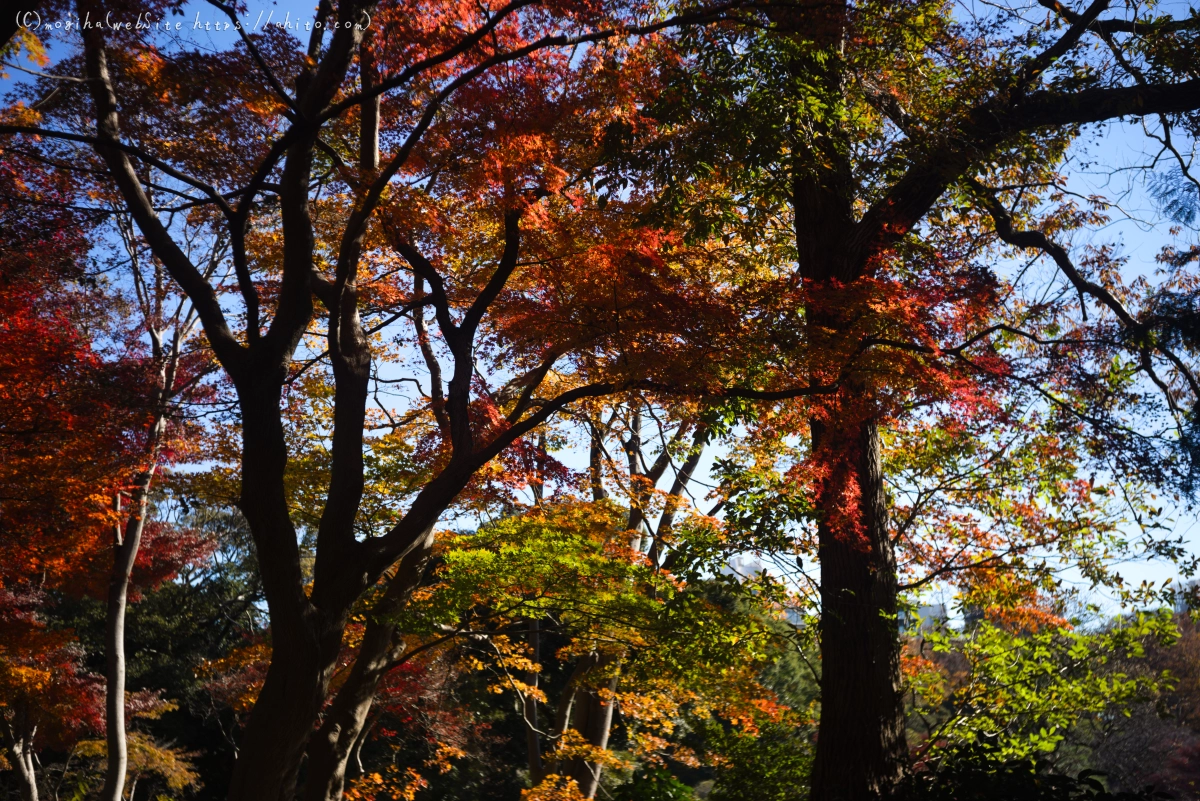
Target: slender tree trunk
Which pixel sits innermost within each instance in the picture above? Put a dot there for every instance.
(596, 462)
(114, 645)
(342, 731)
(125, 550)
(861, 746)
(538, 483)
(26, 772)
(20, 748)
(533, 737)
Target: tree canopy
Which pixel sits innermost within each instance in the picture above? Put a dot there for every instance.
(553, 399)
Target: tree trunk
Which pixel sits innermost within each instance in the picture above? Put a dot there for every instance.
(594, 721)
(331, 747)
(354, 765)
(368, 144)
(305, 639)
(568, 701)
(533, 737)
(125, 552)
(861, 748)
(271, 749)
(592, 717)
(596, 462)
(20, 748)
(861, 745)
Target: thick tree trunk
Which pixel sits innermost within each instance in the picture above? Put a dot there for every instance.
(861, 745)
(331, 747)
(297, 683)
(305, 639)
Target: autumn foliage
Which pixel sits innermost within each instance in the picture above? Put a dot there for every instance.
(562, 400)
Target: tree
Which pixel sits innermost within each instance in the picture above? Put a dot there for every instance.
(162, 381)
(490, 230)
(49, 700)
(577, 624)
(1156, 743)
(131, 389)
(889, 148)
(1017, 695)
(60, 458)
(60, 432)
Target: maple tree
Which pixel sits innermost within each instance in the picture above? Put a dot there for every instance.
(60, 457)
(560, 608)
(49, 700)
(402, 230)
(143, 757)
(624, 635)
(56, 416)
(164, 378)
(80, 433)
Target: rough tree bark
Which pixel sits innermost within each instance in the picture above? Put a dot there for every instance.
(861, 751)
(861, 747)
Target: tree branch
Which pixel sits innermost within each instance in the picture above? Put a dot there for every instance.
(107, 144)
